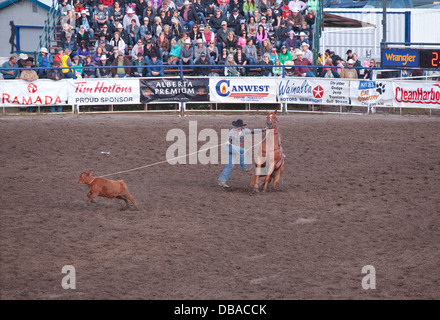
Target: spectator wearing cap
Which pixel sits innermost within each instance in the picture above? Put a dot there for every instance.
(199, 49)
(348, 72)
(130, 15)
(337, 61)
(44, 60)
(77, 70)
(307, 53)
(202, 66)
(189, 15)
(55, 73)
(273, 56)
(285, 12)
(104, 72)
(284, 55)
(302, 39)
(295, 20)
(145, 27)
(82, 35)
(216, 20)
(200, 9)
(121, 66)
(303, 70)
(236, 4)
(84, 20)
(291, 41)
(281, 34)
(139, 63)
(187, 53)
(101, 17)
(71, 44)
(150, 49)
(249, 7)
(155, 67)
(349, 54)
(263, 5)
(234, 20)
(222, 36)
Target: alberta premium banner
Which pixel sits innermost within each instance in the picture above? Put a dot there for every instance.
(170, 89)
(103, 91)
(314, 91)
(39, 92)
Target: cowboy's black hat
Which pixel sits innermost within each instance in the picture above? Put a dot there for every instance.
(238, 123)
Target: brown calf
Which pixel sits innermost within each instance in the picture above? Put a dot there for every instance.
(103, 187)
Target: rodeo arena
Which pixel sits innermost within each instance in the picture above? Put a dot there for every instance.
(220, 150)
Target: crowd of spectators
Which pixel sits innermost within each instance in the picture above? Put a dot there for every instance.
(138, 38)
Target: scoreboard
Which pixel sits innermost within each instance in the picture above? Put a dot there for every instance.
(405, 58)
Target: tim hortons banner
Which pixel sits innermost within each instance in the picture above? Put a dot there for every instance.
(242, 89)
(39, 92)
(170, 89)
(371, 93)
(416, 94)
(104, 91)
(314, 91)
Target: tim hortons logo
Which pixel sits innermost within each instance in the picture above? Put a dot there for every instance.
(100, 87)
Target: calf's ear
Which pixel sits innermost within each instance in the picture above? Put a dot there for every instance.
(90, 173)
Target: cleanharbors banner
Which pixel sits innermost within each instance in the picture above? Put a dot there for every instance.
(416, 94)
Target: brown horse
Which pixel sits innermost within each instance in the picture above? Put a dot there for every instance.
(269, 165)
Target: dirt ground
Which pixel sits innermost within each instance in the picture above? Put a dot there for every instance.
(357, 190)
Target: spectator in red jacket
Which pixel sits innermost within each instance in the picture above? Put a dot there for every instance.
(303, 71)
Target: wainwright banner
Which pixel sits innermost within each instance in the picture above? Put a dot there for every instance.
(416, 94)
(242, 89)
(168, 89)
(104, 91)
(371, 93)
(39, 92)
(314, 91)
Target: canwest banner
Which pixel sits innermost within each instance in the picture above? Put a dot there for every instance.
(103, 91)
(314, 91)
(167, 89)
(371, 93)
(416, 94)
(39, 92)
(242, 89)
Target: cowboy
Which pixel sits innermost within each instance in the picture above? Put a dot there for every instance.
(234, 146)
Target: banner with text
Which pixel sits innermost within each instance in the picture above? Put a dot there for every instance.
(104, 91)
(314, 91)
(416, 94)
(39, 92)
(368, 93)
(241, 89)
(181, 90)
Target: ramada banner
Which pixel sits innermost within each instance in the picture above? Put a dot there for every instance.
(104, 91)
(39, 93)
(241, 89)
(169, 89)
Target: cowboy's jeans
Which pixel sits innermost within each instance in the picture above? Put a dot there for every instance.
(233, 152)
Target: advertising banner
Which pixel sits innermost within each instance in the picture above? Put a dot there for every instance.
(242, 89)
(314, 91)
(400, 58)
(104, 91)
(39, 92)
(416, 94)
(181, 90)
(371, 93)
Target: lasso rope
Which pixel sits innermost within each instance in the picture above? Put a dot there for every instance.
(172, 159)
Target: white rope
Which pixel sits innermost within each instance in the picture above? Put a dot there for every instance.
(172, 159)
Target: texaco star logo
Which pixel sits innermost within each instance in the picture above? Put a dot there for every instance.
(32, 88)
(318, 92)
